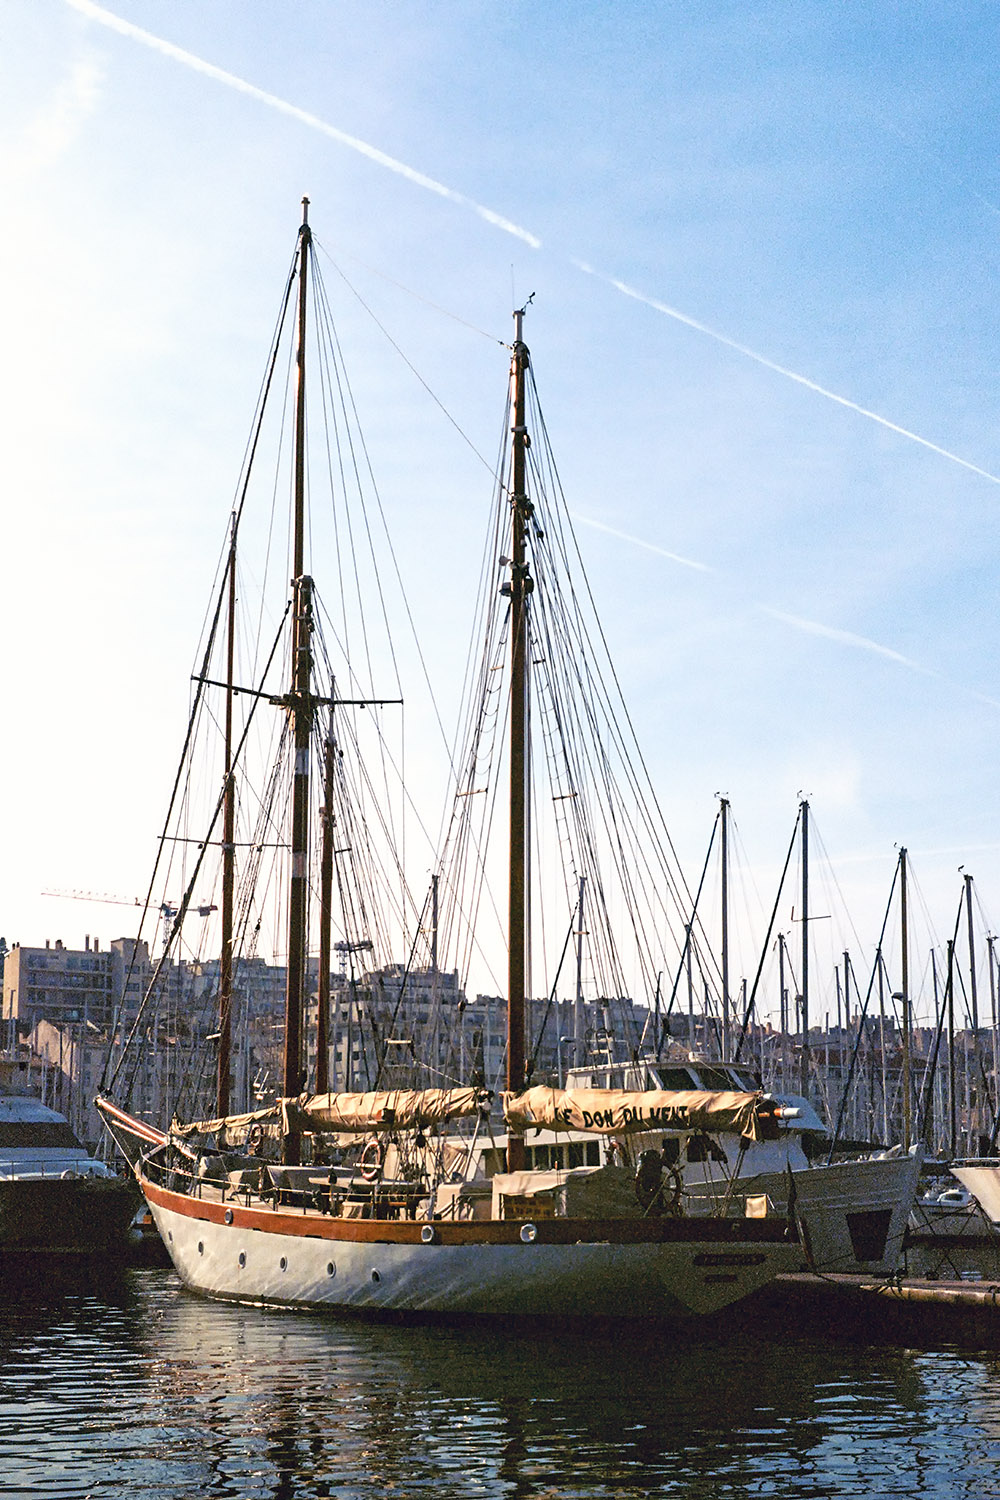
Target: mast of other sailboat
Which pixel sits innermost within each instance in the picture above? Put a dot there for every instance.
(520, 587)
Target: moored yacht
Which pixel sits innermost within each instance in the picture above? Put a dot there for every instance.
(55, 1198)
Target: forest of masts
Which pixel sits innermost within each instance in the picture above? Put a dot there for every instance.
(896, 1047)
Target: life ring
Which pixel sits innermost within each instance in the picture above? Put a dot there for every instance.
(372, 1157)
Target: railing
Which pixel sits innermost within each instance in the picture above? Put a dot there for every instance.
(14, 1167)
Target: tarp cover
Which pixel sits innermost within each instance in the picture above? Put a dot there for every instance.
(628, 1111)
(385, 1109)
(350, 1114)
(232, 1130)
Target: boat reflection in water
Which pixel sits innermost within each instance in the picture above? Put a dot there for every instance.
(142, 1389)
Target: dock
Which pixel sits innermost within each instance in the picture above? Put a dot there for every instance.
(915, 1311)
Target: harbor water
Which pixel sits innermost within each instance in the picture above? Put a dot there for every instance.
(132, 1387)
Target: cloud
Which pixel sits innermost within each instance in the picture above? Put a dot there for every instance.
(57, 124)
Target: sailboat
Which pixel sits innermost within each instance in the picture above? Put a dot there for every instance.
(346, 1199)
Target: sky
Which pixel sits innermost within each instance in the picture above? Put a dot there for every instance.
(762, 243)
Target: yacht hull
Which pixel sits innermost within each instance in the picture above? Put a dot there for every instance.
(66, 1215)
(853, 1215)
(554, 1267)
(982, 1178)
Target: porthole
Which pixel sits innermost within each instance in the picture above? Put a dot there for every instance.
(201, 1248)
(428, 1234)
(528, 1233)
(170, 1235)
(376, 1277)
(243, 1259)
(229, 1216)
(283, 1262)
(331, 1269)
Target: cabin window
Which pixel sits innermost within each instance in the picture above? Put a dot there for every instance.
(593, 1151)
(670, 1150)
(674, 1078)
(575, 1151)
(714, 1078)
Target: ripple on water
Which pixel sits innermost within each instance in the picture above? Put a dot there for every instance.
(136, 1389)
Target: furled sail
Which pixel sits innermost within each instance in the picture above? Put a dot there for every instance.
(384, 1109)
(627, 1111)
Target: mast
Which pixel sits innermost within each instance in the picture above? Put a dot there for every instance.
(223, 1078)
(578, 1014)
(904, 1002)
(952, 1099)
(724, 831)
(520, 587)
(325, 917)
(804, 1078)
(300, 709)
(973, 999)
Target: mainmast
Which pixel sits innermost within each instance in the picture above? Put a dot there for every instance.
(804, 1055)
(520, 586)
(904, 1002)
(223, 1084)
(724, 811)
(325, 919)
(300, 709)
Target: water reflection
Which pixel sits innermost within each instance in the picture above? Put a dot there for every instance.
(135, 1388)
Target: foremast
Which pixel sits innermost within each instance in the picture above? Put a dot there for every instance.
(300, 708)
(521, 585)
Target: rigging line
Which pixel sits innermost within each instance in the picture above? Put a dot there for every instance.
(486, 624)
(748, 1011)
(830, 874)
(862, 1016)
(378, 500)
(415, 372)
(417, 296)
(647, 799)
(189, 892)
(346, 398)
(688, 927)
(552, 996)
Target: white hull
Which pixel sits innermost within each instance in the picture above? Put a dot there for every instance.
(571, 1268)
(854, 1214)
(983, 1181)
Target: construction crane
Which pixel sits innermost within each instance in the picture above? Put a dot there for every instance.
(167, 908)
(93, 896)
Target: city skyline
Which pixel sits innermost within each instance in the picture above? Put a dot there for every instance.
(764, 336)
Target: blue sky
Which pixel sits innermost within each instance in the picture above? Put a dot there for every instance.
(814, 189)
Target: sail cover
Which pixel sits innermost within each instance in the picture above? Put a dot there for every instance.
(385, 1109)
(627, 1111)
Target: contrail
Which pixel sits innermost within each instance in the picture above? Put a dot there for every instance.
(844, 637)
(797, 622)
(637, 541)
(419, 179)
(769, 364)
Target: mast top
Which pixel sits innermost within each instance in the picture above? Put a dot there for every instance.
(519, 313)
(305, 212)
